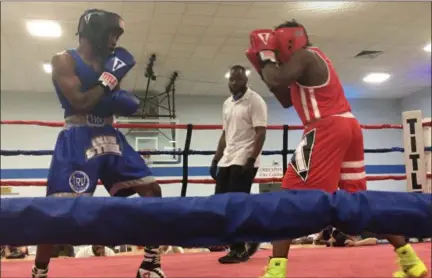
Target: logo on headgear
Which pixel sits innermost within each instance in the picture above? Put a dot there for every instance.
(79, 181)
(264, 37)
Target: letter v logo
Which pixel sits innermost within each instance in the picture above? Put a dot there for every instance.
(264, 37)
(118, 64)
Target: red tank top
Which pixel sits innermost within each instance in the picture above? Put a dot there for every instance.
(316, 102)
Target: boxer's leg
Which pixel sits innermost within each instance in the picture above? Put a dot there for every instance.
(353, 173)
(69, 175)
(126, 175)
(353, 179)
(314, 165)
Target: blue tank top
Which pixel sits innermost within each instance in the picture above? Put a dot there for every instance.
(88, 77)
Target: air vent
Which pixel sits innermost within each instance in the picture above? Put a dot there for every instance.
(368, 54)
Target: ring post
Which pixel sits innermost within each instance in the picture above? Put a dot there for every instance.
(185, 159)
(414, 151)
(285, 149)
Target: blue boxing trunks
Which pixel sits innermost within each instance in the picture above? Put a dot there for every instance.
(89, 148)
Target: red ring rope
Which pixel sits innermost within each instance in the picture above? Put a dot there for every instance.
(194, 181)
(196, 127)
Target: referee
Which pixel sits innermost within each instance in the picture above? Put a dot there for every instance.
(239, 148)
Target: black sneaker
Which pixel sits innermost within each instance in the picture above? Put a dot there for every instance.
(252, 248)
(234, 257)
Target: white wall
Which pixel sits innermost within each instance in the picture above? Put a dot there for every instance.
(419, 101)
(196, 110)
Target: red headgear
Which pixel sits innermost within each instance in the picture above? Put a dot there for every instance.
(289, 40)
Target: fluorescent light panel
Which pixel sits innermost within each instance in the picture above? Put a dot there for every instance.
(227, 75)
(44, 28)
(376, 78)
(47, 68)
(324, 5)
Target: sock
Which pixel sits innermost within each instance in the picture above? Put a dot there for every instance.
(151, 257)
(41, 266)
(405, 250)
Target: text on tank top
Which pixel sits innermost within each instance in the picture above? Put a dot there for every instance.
(315, 102)
(88, 78)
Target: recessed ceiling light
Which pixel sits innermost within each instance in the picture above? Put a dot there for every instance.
(44, 28)
(376, 78)
(47, 68)
(227, 75)
(324, 5)
(427, 48)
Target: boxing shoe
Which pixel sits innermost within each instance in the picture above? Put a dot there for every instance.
(276, 268)
(410, 264)
(234, 257)
(150, 273)
(252, 248)
(39, 273)
(151, 265)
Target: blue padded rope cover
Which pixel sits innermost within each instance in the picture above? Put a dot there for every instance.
(215, 220)
(190, 221)
(408, 214)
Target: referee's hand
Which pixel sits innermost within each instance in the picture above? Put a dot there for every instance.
(213, 169)
(249, 167)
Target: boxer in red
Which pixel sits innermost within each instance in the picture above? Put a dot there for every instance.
(330, 154)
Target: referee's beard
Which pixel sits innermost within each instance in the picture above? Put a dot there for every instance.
(238, 93)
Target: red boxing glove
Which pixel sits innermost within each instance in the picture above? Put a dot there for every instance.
(252, 56)
(264, 43)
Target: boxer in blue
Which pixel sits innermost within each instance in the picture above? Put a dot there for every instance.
(89, 148)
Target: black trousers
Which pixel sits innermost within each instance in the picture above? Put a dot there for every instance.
(234, 179)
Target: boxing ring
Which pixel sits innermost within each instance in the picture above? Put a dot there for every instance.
(227, 218)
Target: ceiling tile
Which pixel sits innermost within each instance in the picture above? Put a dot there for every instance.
(187, 39)
(205, 51)
(230, 11)
(191, 30)
(137, 11)
(169, 8)
(208, 9)
(197, 20)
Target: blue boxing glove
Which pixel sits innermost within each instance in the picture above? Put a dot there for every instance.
(121, 103)
(116, 67)
(125, 103)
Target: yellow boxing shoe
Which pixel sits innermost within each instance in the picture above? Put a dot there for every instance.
(276, 268)
(411, 266)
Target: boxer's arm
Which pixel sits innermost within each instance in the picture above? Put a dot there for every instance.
(63, 74)
(283, 95)
(290, 72)
(365, 242)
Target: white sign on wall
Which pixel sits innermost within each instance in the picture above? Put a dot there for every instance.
(427, 131)
(414, 151)
(270, 172)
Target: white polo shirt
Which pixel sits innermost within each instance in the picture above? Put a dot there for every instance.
(240, 117)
